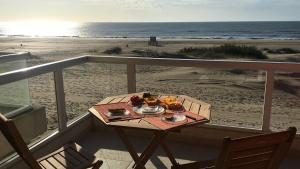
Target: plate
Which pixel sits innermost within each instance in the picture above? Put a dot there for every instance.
(149, 110)
(175, 119)
(109, 114)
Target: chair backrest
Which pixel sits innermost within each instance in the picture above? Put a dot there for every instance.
(15, 139)
(256, 152)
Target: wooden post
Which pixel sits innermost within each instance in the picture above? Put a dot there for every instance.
(131, 78)
(60, 100)
(268, 100)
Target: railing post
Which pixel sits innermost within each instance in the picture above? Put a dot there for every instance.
(268, 100)
(60, 100)
(131, 78)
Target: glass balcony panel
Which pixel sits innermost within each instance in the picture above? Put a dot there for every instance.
(88, 84)
(12, 65)
(286, 101)
(42, 92)
(236, 96)
(14, 97)
(39, 119)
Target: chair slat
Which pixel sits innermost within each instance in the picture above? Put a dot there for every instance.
(70, 158)
(253, 152)
(76, 155)
(260, 141)
(46, 164)
(64, 161)
(55, 163)
(251, 165)
(245, 159)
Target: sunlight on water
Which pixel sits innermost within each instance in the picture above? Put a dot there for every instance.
(39, 28)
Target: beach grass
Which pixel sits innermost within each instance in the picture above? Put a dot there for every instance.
(224, 51)
(293, 59)
(93, 51)
(155, 54)
(114, 50)
(282, 51)
(219, 52)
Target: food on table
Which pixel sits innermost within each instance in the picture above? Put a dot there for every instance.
(170, 118)
(174, 118)
(169, 115)
(169, 100)
(117, 112)
(175, 106)
(172, 103)
(136, 100)
(145, 95)
(151, 101)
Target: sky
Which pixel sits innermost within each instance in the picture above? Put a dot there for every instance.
(150, 10)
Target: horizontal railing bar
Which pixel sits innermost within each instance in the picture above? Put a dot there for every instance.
(225, 64)
(29, 72)
(14, 57)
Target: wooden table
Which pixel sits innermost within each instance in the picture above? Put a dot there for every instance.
(190, 104)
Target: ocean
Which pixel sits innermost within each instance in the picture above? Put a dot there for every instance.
(167, 30)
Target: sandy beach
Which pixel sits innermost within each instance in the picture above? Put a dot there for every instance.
(236, 97)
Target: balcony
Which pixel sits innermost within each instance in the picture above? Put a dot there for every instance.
(189, 145)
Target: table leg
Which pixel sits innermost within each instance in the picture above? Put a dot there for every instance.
(169, 154)
(141, 160)
(129, 147)
(155, 142)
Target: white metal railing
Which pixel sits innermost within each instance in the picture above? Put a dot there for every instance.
(131, 62)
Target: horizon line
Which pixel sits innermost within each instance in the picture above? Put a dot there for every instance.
(188, 21)
(47, 20)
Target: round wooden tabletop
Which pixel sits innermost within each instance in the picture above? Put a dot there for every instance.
(190, 104)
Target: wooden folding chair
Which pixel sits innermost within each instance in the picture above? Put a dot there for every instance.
(70, 156)
(255, 152)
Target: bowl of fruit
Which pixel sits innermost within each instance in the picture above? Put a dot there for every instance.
(173, 104)
(151, 101)
(136, 100)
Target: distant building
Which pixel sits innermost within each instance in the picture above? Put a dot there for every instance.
(153, 41)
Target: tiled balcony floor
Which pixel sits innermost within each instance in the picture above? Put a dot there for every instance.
(108, 147)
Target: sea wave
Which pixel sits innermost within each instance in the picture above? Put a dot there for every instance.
(195, 30)
(158, 37)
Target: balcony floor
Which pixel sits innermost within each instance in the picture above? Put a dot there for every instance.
(108, 147)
